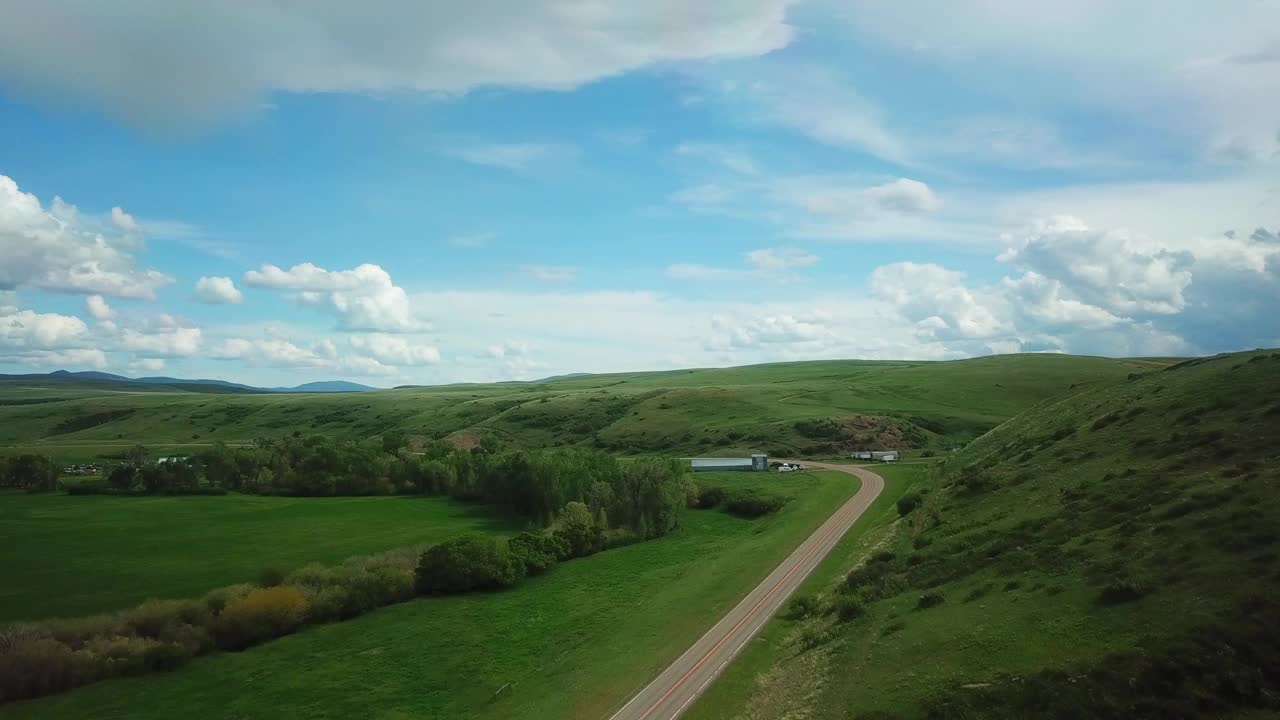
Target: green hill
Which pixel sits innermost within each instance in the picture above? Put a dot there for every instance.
(809, 408)
(1109, 555)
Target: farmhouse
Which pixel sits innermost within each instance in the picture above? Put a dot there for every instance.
(758, 462)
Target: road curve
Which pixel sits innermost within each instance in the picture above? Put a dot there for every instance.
(684, 680)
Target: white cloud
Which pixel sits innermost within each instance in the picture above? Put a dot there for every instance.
(42, 331)
(936, 300)
(778, 260)
(54, 248)
(147, 365)
(189, 64)
(79, 358)
(550, 273)
(98, 308)
(1108, 269)
(218, 290)
(904, 195)
(124, 221)
(512, 156)
(395, 349)
(363, 298)
(169, 341)
(763, 264)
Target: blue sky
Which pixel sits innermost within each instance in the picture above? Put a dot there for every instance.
(397, 193)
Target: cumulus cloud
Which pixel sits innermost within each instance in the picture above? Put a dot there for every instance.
(27, 329)
(364, 298)
(55, 248)
(514, 360)
(1108, 269)
(147, 365)
(550, 273)
(395, 349)
(200, 61)
(98, 308)
(937, 301)
(218, 291)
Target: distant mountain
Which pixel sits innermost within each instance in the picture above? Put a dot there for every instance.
(198, 385)
(327, 386)
(568, 376)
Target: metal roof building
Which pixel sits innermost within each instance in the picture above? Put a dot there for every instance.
(758, 462)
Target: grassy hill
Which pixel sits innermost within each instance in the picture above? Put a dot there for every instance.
(809, 408)
(1111, 554)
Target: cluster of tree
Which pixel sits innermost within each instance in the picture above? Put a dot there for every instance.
(482, 562)
(29, 472)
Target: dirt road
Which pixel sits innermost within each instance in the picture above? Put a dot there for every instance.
(684, 680)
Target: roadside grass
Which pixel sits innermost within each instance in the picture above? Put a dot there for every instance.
(1100, 556)
(808, 409)
(576, 642)
(65, 556)
(729, 695)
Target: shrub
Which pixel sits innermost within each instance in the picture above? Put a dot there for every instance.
(161, 619)
(1121, 590)
(849, 608)
(261, 615)
(754, 505)
(711, 497)
(909, 502)
(218, 599)
(812, 638)
(270, 577)
(470, 562)
(536, 551)
(801, 607)
(929, 600)
(33, 664)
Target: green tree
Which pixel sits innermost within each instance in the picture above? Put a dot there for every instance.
(576, 527)
(469, 562)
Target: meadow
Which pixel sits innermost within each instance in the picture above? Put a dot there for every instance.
(66, 555)
(1142, 515)
(572, 643)
(814, 409)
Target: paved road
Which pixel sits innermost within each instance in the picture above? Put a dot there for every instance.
(684, 680)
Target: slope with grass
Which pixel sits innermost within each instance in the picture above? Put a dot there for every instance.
(65, 555)
(575, 642)
(1112, 554)
(809, 408)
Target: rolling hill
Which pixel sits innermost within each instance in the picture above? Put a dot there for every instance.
(96, 379)
(819, 408)
(1112, 554)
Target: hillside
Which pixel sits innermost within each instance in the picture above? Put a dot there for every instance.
(810, 408)
(1109, 555)
(91, 379)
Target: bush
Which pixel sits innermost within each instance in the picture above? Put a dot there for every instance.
(536, 551)
(270, 577)
(261, 615)
(754, 505)
(849, 608)
(801, 607)
(929, 600)
(33, 664)
(711, 497)
(909, 502)
(1121, 590)
(470, 562)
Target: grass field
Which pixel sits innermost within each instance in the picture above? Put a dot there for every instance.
(68, 555)
(573, 643)
(1135, 515)
(812, 408)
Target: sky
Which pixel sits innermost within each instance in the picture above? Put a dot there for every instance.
(397, 192)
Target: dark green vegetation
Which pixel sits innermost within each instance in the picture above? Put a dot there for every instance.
(810, 408)
(547, 648)
(638, 500)
(1109, 555)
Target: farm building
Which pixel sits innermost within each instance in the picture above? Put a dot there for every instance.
(881, 455)
(758, 462)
